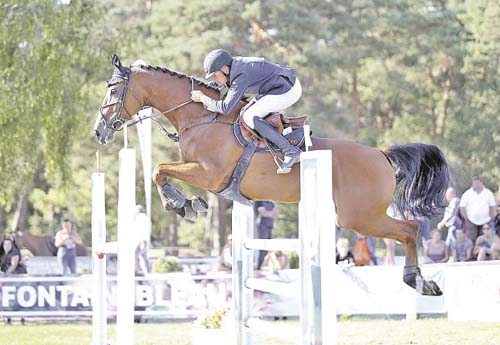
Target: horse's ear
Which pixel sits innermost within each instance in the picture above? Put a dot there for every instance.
(115, 60)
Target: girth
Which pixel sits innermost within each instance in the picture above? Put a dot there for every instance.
(251, 141)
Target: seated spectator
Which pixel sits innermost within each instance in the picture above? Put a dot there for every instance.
(10, 262)
(10, 257)
(484, 244)
(461, 248)
(344, 254)
(495, 249)
(275, 261)
(435, 249)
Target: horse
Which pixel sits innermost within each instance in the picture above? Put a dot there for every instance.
(42, 245)
(366, 180)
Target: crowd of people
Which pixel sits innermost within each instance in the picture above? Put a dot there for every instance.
(470, 226)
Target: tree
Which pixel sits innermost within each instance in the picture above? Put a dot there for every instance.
(49, 54)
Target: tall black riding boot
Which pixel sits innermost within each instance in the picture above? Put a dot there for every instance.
(292, 154)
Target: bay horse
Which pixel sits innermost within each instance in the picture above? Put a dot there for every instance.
(365, 180)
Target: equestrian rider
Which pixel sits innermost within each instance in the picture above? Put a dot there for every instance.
(276, 88)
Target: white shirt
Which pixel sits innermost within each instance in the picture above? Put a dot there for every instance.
(477, 205)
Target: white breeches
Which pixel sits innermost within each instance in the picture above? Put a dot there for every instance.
(272, 103)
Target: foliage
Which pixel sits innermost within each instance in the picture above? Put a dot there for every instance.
(213, 320)
(167, 264)
(375, 71)
(293, 260)
(48, 53)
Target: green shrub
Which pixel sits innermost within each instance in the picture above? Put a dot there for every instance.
(293, 260)
(167, 264)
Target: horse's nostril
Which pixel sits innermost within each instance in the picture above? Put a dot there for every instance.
(97, 133)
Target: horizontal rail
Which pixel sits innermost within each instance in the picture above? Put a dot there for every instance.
(276, 287)
(287, 245)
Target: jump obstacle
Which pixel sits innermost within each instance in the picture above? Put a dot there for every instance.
(124, 248)
(316, 246)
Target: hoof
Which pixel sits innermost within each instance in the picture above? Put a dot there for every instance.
(413, 278)
(187, 212)
(199, 205)
(430, 288)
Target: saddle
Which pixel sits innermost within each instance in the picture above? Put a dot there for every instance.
(285, 125)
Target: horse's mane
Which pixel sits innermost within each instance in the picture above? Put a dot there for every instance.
(176, 74)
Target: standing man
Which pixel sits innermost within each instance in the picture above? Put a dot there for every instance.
(66, 241)
(266, 212)
(477, 207)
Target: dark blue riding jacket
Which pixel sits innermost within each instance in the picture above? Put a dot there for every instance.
(252, 75)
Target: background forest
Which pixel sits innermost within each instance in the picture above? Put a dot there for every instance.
(375, 71)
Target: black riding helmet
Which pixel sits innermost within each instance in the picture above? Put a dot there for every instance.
(215, 60)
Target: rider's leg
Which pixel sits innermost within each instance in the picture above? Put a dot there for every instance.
(266, 105)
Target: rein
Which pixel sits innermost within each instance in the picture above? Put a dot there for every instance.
(119, 122)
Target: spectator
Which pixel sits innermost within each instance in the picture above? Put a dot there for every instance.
(226, 256)
(484, 244)
(461, 248)
(390, 246)
(66, 241)
(424, 232)
(266, 212)
(370, 241)
(10, 258)
(142, 233)
(275, 261)
(477, 207)
(344, 254)
(496, 222)
(11, 263)
(435, 249)
(495, 249)
(451, 219)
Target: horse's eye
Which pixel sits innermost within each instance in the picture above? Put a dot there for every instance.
(113, 91)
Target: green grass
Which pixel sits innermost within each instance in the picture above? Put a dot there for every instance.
(364, 332)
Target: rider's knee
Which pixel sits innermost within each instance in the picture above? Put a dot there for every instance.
(248, 118)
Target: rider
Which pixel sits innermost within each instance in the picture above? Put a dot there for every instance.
(276, 88)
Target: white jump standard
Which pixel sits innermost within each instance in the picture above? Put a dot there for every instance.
(316, 250)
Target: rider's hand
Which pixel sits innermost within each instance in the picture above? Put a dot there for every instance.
(196, 95)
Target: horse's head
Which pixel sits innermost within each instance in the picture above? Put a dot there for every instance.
(116, 108)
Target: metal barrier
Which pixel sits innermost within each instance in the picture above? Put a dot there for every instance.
(316, 245)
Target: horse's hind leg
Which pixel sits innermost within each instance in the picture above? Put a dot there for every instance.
(405, 232)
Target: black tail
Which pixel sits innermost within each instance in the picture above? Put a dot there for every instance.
(422, 177)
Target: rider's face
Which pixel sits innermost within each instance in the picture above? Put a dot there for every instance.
(220, 78)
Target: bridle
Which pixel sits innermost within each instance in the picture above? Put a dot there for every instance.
(122, 76)
(117, 120)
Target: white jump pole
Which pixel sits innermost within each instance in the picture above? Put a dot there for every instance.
(243, 227)
(125, 294)
(317, 242)
(99, 302)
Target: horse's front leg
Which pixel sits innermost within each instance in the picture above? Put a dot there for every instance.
(173, 199)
